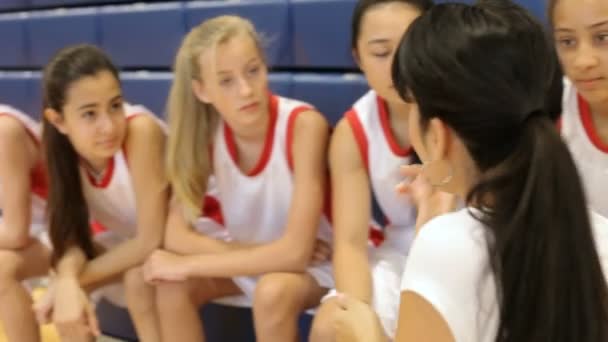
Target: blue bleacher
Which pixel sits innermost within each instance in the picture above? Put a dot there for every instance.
(321, 33)
(142, 35)
(270, 18)
(13, 36)
(49, 31)
(38, 3)
(15, 90)
(331, 94)
(13, 4)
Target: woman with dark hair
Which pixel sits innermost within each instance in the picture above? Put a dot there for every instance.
(374, 226)
(580, 31)
(523, 261)
(105, 163)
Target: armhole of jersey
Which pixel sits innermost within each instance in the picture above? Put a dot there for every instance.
(291, 123)
(359, 134)
(212, 209)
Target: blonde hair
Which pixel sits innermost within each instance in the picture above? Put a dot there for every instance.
(192, 123)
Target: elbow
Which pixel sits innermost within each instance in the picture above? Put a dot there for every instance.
(150, 244)
(171, 241)
(16, 241)
(297, 259)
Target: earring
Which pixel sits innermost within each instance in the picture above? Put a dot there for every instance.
(444, 181)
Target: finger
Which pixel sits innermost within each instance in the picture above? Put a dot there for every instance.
(92, 321)
(410, 170)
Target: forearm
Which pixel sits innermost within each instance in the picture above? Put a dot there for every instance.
(189, 242)
(352, 271)
(271, 257)
(114, 262)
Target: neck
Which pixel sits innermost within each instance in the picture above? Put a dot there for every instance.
(398, 109)
(253, 135)
(96, 166)
(599, 109)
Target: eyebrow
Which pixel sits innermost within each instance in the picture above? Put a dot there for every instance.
(95, 105)
(227, 72)
(601, 23)
(596, 25)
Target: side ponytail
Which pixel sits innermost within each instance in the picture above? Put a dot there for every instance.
(488, 72)
(541, 245)
(67, 210)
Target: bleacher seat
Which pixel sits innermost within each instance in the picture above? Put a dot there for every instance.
(142, 35)
(321, 33)
(222, 323)
(148, 89)
(13, 37)
(50, 31)
(280, 83)
(331, 94)
(58, 3)
(13, 4)
(270, 18)
(15, 90)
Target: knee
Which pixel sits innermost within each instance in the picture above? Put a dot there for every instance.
(172, 294)
(322, 329)
(134, 281)
(276, 292)
(9, 270)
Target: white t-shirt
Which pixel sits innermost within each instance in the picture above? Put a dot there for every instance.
(448, 267)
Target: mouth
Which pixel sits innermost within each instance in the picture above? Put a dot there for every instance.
(107, 143)
(588, 82)
(250, 107)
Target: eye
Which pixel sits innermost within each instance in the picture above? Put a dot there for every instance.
(602, 38)
(116, 106)
(254, 70)
(90, 114)
(226, 81)
(566, 42)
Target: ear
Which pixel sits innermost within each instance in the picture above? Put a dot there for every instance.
(56, 119)
(438, 138)
(200, 92)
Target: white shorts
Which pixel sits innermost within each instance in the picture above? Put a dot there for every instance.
(387, 266)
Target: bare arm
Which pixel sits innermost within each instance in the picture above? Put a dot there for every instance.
(292, 252)
(145, 144)
(181, 238)
(17, 161)
(419, 321)
(351, 214)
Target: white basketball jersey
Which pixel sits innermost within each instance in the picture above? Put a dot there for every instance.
(37, 175)
(256, 205)
(111, 198)
(382, 155)
(588, 151)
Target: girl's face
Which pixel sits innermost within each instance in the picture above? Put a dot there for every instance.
(581, 36)
(93, 117)
(235, 81)
(382, 27)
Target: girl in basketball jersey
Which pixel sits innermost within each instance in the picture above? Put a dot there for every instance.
(23, 251)
(525, 260)
(367, 149)
(580, 30)
(267, 156)
(105, 163)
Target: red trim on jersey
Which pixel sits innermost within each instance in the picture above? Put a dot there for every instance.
(388, 133)
(38, 179)
(107, 177)
(376, 236)
(291, 122)
(266, 151)
(587, 120)
(212, 209)
(359, 134)
(97, 228)
(559, 124)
